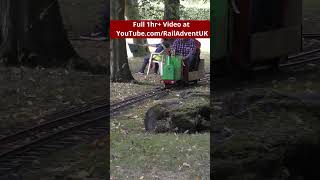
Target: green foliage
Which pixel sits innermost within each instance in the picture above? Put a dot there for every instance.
(194, 13)
(155, 10)
(150, 11)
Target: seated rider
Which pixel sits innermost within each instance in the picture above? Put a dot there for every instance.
(160, 47)
(198, 45)
(185, 47)
(197, 54)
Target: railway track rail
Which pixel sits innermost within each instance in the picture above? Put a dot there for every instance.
(303, 58)
(61, 129)
(225, 85)
(205, 80)
(311, 35)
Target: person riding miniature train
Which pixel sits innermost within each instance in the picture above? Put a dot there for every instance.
(189, 49)
(160, 47)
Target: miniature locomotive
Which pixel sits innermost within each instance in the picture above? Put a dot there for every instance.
(176, 72)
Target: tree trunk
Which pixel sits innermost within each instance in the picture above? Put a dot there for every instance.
(171, 10)
(132, 13)
(119, 65)
(32, 33)
(7, 40)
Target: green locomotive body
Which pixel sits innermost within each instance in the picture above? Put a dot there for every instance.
(175, 71)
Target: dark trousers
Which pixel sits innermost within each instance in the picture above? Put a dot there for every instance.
(145, 63)
(191, 62)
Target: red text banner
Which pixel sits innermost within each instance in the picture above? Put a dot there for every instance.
(159, 29)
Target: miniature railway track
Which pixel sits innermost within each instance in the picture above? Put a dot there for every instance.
(303, 58)
(205, 80)
(64, 128)
(311, 35)
(225, 84)
(61, 129)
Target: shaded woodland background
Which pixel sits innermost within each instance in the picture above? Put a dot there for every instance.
(80, 16)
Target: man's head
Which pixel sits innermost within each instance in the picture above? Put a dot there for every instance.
(166, 42)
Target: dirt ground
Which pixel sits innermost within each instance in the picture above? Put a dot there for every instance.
(29, 94)
(268, 131)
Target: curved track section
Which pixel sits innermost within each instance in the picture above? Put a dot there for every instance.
(66, 128)
(61, 129)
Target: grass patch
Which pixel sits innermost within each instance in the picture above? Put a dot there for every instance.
(83, 161)
(136, 154)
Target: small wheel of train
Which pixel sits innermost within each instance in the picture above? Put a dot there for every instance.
(167, 86)
(180, 83)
